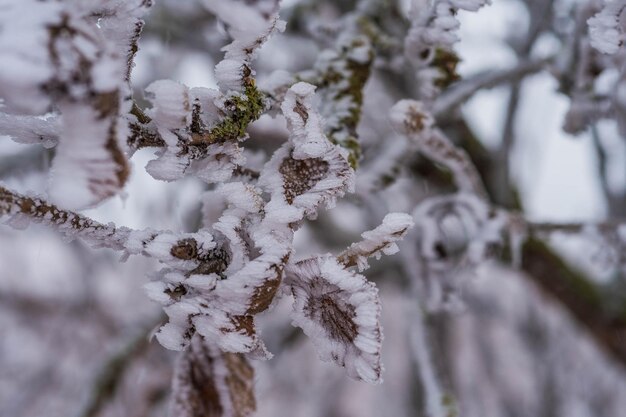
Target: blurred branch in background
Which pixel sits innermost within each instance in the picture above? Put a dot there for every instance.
(108, 380)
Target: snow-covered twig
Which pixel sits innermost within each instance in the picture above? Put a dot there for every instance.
(381, 240)
(22, 208)
(176, 249)
(343, 78)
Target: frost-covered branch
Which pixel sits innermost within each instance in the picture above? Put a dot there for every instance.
(23, 209)
(588, 302)
(611, 226)
(342, 76)
(609, 236)
(199, 127)
(175, 249)
(252, 242)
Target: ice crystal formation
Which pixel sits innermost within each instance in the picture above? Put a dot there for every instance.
(277, 157)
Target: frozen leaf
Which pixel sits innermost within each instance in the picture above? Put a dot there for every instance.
(216, 162)
(232, 333)
(59, 57)
(184, 119)
(459, 220)
(299, 176)
(171, 108)
(210, 383)
(219, 288)
(89, 165)
(300, 186)
(304, 123)
(25, 56)
(120, 21)
(243, 196)
(340, 311)
(309, 171)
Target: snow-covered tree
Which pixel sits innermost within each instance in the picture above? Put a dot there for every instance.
(191, 189)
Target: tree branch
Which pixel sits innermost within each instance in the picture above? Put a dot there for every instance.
(543, 228)
(464, 90)
(584, 299)
(67, 222)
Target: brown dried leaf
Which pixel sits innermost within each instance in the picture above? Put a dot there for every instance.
(195, 392)
(210, 383)
(239, 380)
(263, 295)
(299, 176)
(333, 311)
(243, 323)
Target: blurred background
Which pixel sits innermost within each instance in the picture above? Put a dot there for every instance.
(75, 321)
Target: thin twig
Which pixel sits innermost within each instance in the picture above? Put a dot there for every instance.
(609, 226)
(615, 201)
(464, 90)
